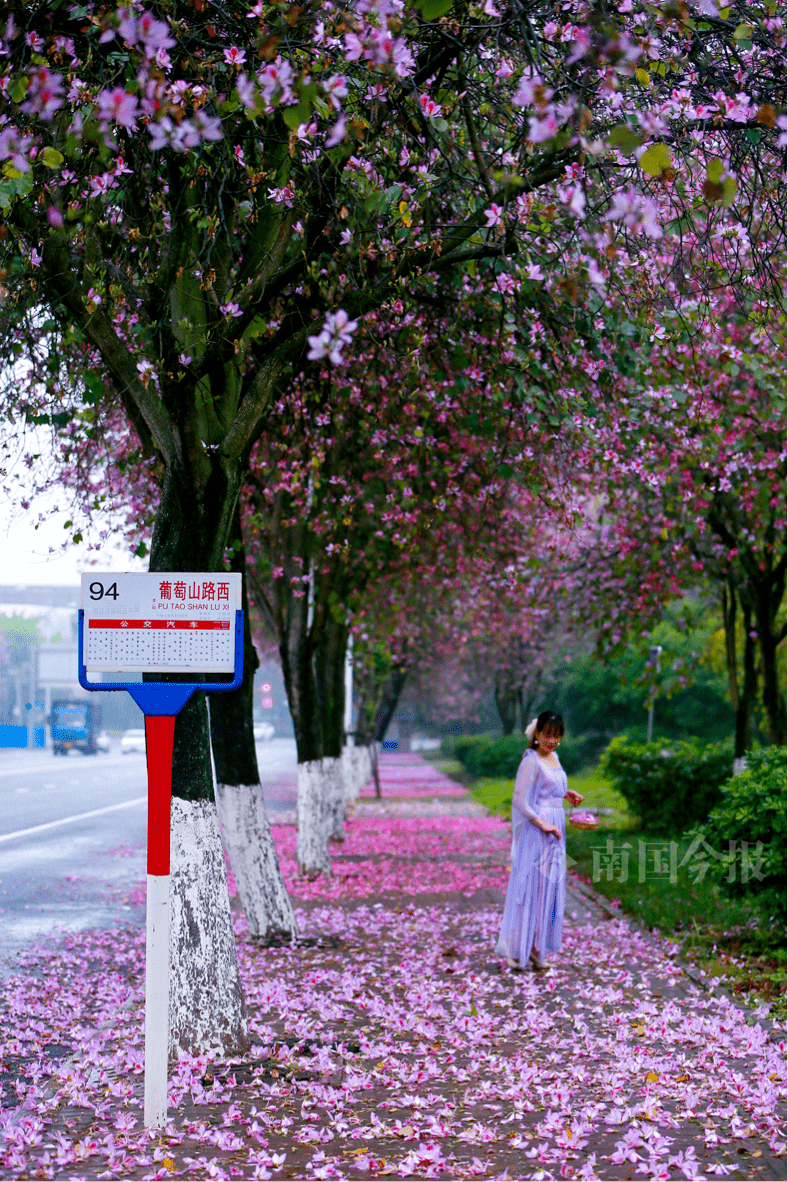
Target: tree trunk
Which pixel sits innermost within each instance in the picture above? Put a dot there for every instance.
(207, 1011)
(506, 702)
(329, 670)
(239, 796)
(772, 696)
(387, 703)
(375, 768)
(742, 698)
(296, 650)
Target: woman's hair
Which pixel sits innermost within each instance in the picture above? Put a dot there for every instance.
(548, 721)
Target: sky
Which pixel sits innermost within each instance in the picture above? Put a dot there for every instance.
(25, 556)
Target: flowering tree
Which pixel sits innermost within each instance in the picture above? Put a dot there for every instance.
(364, 496)
(198, 201)
(694, 491)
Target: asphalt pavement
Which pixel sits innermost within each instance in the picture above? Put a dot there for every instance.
(72, 838)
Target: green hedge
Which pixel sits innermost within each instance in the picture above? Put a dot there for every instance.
(752, 809)
(669, 784)
(500, 758)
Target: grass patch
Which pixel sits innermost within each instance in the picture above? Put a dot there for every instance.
(452, 768)
(494, 794)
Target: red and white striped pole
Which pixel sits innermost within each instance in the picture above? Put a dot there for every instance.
(159, 733)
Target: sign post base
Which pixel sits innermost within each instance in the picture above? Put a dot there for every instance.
(159, 736)
(157, 1000)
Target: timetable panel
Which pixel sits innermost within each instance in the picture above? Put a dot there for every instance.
(137, 645)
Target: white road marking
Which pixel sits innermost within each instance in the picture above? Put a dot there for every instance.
(114, 761)
(127, 804)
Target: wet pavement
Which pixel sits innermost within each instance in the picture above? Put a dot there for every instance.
(72, 838)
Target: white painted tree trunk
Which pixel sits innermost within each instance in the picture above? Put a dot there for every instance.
(349, 776)
(207, 1009)
(356, 770)
(312, 820)
(335, 797)
(363, 768)
(253, 861)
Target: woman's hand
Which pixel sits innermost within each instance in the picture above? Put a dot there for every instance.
(553, 830)
(574, 798)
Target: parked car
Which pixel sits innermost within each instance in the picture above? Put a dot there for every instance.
(263, 731)
(133, 740)
(102, 741)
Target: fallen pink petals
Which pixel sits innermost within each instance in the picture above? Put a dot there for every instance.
(390, 1042)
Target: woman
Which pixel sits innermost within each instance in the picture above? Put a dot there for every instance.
(533, 913)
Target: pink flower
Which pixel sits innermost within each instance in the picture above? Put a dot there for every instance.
(336, 86)
(429, 108)
(44, 95)
(234, 56)
(337, 133)
(636, 211)
(118, 106)
(494, 216)
(544, 129)
(14, 147)
(337, 332)
(527, 91)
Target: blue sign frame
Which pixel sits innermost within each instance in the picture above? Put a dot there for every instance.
(165, 698)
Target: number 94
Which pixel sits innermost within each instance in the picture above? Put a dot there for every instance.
(97, 591)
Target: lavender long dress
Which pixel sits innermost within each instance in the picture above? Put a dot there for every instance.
(533, 914)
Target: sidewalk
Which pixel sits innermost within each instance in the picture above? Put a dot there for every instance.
(390, 1043)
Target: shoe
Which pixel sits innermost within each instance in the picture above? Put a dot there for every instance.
(541, 966)
(514, 964)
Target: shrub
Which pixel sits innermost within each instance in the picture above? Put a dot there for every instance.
(466, 746)
(500, 758)
(450, 744)
(579, 751)
(669, 784)
(752, 809)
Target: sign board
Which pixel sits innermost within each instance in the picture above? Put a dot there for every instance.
(168, 622)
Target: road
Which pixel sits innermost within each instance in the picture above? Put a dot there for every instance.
(72, 838)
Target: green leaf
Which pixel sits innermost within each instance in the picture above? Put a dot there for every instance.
(440, 124)
(432, 9)
(19, 88)
(643, 77)
(728, 191)
(714, 171)
(624, 138)
(52, 158)
(94, 387)
(655, 159)
(295, 116)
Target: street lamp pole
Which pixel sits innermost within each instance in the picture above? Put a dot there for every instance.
(654, 654)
